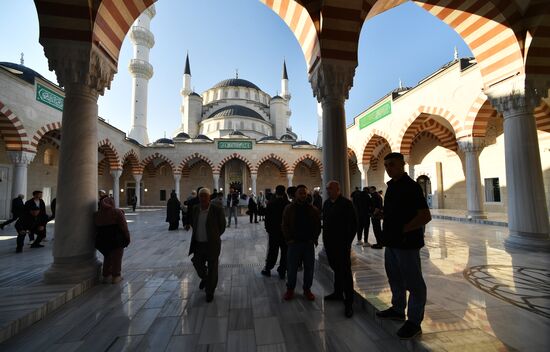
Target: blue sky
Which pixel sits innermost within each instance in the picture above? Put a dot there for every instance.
(404, 43)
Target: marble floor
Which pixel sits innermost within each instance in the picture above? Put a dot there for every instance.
(159, 307)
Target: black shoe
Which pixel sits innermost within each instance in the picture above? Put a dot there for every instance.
(209, 297)
(266, 272)
(348, 311)
(390, 314)
(202, 284)
(255, 222)
(282, 275)
(377, 246)
(36, 245)
(409, 330)
(19, 250)
(334, 297)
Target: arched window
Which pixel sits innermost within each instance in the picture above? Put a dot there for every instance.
(202, 171)
(163, 171)
(48, 157)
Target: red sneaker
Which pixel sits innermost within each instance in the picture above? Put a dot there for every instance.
(289, 294)
(310, 296)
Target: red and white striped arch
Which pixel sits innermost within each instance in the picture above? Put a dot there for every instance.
(108, 149)
(282, 165)
(12, 131)
(478, 117)
(131, 158)
(54, 126)
(187, 162)
(304, 157)
(424, 123)
(373, 141)
(235, 156)
(542, 117)
(157, 155)
(538, 49)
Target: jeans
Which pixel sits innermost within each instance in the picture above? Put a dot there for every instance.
(297, 253)
(232, 212)
(405, 274)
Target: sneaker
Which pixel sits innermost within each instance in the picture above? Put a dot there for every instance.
(202, 284)
(289, 294)
(359, 243)
(409, 330)
(309, 295)
(377, 246)
(266, 272)
(117, 279)
(334, 297)
(390, 314)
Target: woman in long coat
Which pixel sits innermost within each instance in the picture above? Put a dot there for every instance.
(173, 208)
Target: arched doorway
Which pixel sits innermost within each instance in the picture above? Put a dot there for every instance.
(426, 185)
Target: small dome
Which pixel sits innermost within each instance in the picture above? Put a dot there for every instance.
(277, 97)
(235, 110)
(183, 135)
(21, 71)
(203, 137)
(267, 138)
(194, 94)
(131, 140)
(235, 82)
(298, 143)
(236, 133)
(164, 141)
(287, 138)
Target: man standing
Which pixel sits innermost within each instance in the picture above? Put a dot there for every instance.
(273, 221)
(339, 228)
(208, 222)
(359, 204)
(377, 206)
(232, 205)
(17, 210)
(32, 222)
(173, 207)
(405, 213)
(301, 228)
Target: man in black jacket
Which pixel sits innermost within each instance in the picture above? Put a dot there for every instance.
(339, 228)
(33, 222)
(232, 206)
(377, 206)
(405, 214)
(273, 221)
(17, 210)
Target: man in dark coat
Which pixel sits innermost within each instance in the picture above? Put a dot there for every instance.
(377, 205)
(232, 206)
(173, 207)
(33, 222)
(339, 228)
(273, 221)
(17, 210)
(208, 222)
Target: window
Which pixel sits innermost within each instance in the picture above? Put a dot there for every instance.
(236, 94)
(242, 125)
(225, 94)
(247, 95)
(163, 171)
(492, 190)
(162, 194)
(202, 171)
(229, 125)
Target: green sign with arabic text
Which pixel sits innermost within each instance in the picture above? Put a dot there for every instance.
(377, 114)
(49, 97)
(234, 145)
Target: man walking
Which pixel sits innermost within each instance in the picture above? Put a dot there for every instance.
(301, 229)
(405, 213)
(232, 206)
(339, 228)
(208, 222)
(273, 220)
(377, 206)
(17, 210)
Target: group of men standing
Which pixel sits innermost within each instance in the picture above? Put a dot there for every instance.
(368, 204)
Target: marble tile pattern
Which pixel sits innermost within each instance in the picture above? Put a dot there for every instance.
(159, 307)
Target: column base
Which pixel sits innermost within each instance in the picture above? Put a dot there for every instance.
(473, 215)
(69, 270)
(535, 242)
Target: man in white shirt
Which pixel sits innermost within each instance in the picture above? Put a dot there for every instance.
(208, 223)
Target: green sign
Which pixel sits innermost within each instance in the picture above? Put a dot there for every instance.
(375, 115)
(234, 145)
(49, 97)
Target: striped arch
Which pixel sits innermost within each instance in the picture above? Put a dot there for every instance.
(12, 131)
(132, 159)
(108, 149)
(102, 166)
(375, 139)
(284, 165)
(42, 131)
(542, 117)
(307, 157)
(487, 30)
(156, 155)
(235, 156)
(478, 117)
(538, 51)
(185, 162)
(424, 123)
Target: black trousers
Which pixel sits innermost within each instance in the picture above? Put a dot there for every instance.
(253, 214)
(208, 273)
(276, 243)
(7, 222)
(363, 225)
(40, 235)
(338, 256)
(377, 229)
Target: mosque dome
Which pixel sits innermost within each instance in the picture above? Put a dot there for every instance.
(277, 97)
(287, 138)
(182, 135)
(164, 141)
(268, 138)
(235, 110)
(203, 137)
(21, 71)
(236, 82)
(133, 141)
(236, 133)
(299, 143)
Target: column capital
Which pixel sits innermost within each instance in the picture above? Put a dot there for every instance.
(517, 94)
(254, 174)
(177, 177)
(116, 173)
(471, 144)
(137, 177)
(21, 157)
(332, 79)
(80, 63)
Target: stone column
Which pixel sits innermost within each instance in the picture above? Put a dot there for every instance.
(254, 178)
(527, 212)
(363, 169)
(177, 179)
(216, 176)
(289, 177)
(472, 147)
(116, 186)
(331, 81)
(20, 161)
(137, 178)
(84, 71)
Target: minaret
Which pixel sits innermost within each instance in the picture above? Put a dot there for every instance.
(186, 78)
(191, 105)
(284, 83)
(141, 71)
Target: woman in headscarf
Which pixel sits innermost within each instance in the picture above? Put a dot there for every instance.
(112, 237)
(173, 208)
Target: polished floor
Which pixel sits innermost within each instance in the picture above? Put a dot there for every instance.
(159, 307)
